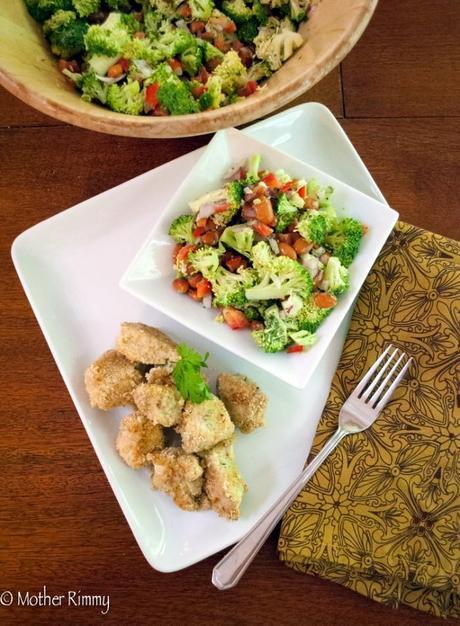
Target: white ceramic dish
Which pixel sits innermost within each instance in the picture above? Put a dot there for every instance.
(151, 272)
(97, 238)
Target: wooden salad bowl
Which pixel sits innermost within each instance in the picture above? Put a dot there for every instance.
(29, 71)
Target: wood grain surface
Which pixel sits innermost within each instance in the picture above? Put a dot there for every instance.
(60, 524)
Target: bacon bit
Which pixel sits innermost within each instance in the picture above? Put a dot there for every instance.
(160, 111)
(206, 36)
(124, 64)
(176, 66)
(246, 56)
(262, 229)
(184, 10)
(198, 91)
(235, 262)
(221, 44)
(210, 238)
(248, 212)
(325, 300)
(285, 238)
(235, 318)
(72, 66)
(295, 348)
(271, 181)
(151, 94)
(248, 89)
(213, 63)
(197, 27)
(203, 75)
(237, 45)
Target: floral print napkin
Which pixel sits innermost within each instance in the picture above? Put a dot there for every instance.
(382, 515)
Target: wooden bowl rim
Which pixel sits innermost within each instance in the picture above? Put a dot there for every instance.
(256, 106)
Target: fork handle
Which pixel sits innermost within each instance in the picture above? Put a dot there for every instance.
(231, 568)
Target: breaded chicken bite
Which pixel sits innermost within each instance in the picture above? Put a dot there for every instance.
(181, 476)
(224, 484)
(160, 374)
(160, 403)
(243, 399)
(110, 380)
(137, 437)
(145, 344)
(204, 425)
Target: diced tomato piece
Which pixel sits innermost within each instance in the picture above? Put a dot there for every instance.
(176, 66)
(197, 27)
(248, 89)
(262, 229)
(124, 64)
(199, 231)
(193, 294)
(325, 300)
(115, 71)
(295, 348)
(242, 173)
(184, 10)
(302, 191)
(203, 288)
(195, 279)
(202, 222)
(151, 94)
(235, 262)
(198, 91)
(185, 251)
(271, 181)
(287, 186)
(235, 319)
(263, 210)
(230, 27)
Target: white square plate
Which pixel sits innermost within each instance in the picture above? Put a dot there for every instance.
(151, 273)
(70, 265)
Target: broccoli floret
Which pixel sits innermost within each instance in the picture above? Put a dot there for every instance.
(143, 49)
(345, 239)
(274, 337)
(248, 31)
(285, 213)
(92, 88)
(86, 7)
(127, 98)
(210, 51)
(234, 193)
(303, 338)
(181, 229)
(213, 96)
(298, 9)
(312, 227)
(119, 5)
(237, 10)
(252, 169)
(276, 42)
(205, 260)
(68, 39)
(336, 276)
(192, 59)
(108, 39)
(259, 71)
(177, 41)
(260, 12)
(155, 24)
(309, 317)
(175, 97)
(261, 255)
(41, 10)
(232, 72)
(279, 279)
(229, 288)
(239, 237)
(57, 20)
(201, 9)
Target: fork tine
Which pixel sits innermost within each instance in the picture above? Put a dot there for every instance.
(375, 396)
(393, 386)
(378, 377)
(370, 371)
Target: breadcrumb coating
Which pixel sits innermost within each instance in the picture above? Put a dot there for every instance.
(137, 437)
(160, 403)
(161, 374)
(110, 380)
(243, 399)
(145, 344)
(181, 476)
(204, 425)
(224, 484)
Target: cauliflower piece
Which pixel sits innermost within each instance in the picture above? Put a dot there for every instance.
(204, 425)
(224, 484)
(276, 42)
(111, 380)
(138, 437)
(145, 344)
(181, 476)
(244, 401)
(162, 404)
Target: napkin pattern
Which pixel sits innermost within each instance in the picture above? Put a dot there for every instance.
(382, 515)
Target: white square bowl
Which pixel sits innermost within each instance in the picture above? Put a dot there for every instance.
(151, 272)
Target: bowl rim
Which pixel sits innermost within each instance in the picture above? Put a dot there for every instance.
(254, 107)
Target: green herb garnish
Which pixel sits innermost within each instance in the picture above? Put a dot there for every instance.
(187, 375)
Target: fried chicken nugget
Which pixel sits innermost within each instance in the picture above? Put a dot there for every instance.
(181, 476)
(204, 425)
(224, 484)
(160, 403)
(243, 399)
(160, 374)
(110, 380)
(145, 344)
(137, 437)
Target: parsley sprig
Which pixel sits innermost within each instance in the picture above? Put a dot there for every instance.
(187, 375)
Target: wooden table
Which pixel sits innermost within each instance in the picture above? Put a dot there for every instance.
(397, 96)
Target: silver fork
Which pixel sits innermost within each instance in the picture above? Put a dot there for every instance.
(359, 412)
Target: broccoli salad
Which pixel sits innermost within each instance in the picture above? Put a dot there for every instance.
(268, 250)
(169, 57)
